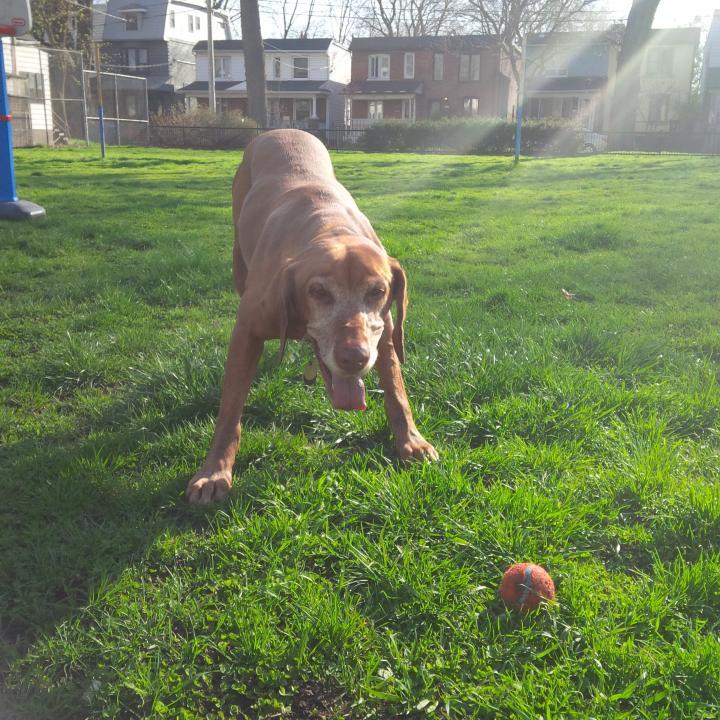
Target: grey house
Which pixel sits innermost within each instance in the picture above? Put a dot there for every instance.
(711, 75)
(155, 39)
(572, 75)
(568, 75)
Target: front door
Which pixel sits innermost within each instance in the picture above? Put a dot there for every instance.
(408, 109)
(303, 110)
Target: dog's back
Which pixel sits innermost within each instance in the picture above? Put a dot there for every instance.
(286, 180)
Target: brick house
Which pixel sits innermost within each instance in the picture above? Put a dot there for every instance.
(419, 78)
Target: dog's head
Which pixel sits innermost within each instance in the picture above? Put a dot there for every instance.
(341, 293)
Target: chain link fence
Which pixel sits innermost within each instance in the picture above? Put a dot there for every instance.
(53, 99)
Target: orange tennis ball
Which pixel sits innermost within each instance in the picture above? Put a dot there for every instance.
(525, 585)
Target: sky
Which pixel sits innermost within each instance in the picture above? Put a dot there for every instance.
(671, 13)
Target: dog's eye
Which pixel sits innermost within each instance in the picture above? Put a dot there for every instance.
(376, 293)
(320, 293)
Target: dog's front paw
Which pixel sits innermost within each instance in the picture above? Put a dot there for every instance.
(206, 487)
(415, 447)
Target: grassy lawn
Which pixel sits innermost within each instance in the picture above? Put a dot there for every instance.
(580, 434)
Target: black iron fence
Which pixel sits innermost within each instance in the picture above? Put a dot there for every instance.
(500, 141)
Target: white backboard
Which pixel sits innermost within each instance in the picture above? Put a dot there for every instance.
(15, 17)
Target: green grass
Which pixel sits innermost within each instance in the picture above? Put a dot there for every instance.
(579, 434)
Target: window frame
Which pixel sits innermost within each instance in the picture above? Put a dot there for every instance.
(469, 65)
(411, 74)
(439, 66)
(298, 68)
(380, 66)
(373, 107)
(136, 17)
(223, 60)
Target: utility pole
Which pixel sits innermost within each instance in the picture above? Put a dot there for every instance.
(211, 59)
(101, 111)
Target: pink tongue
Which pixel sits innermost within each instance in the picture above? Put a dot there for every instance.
(348, 393)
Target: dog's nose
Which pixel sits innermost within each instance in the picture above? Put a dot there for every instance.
(351, 358)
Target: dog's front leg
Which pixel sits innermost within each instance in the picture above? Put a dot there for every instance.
(408, 441)
(213, 481)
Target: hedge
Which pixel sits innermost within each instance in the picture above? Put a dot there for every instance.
(481, 136)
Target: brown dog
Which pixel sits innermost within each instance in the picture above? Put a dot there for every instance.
(308, 264)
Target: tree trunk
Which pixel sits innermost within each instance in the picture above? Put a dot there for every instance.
(627, 80)
(254, 61)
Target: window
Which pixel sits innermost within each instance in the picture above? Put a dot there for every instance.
(409, 66)
(435, 108)
(469, 67)
(172, 18)
(408, 109)
(471, 106)
(659, 62)
(34, 86)
(438, 66)
(554, 62)
(303, 109)
(191, 26)
(375, 109)
(276, 68)
(133, 20)
(135, 57)
(300, 67)
(379, 67)
(658, 106)
(222, 67)
(197, 22)
(570, 107)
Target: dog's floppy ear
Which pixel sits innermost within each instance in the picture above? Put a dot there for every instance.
(280, 305)
(399, 295)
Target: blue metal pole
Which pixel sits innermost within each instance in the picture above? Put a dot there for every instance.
(8, 192)
(101, 119)
(518, 129)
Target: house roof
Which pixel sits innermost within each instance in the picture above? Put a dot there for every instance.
(285, 86)
(383, 87)
(659, 36)
(437, 42)
(565, 84)
(272, 44)
(202, 85)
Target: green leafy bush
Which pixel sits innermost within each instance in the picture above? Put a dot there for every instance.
(477, 136)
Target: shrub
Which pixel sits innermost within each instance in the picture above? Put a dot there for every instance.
(199, 128)
(478, 136)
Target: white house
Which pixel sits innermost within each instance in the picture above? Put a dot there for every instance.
(155, 39)
(305, 79)
(28, 78)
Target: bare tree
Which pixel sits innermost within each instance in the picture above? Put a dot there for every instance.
(289, 16)
(343, 21)
(254, 60)
(393, 18)
(627, 79)
(512, 20)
